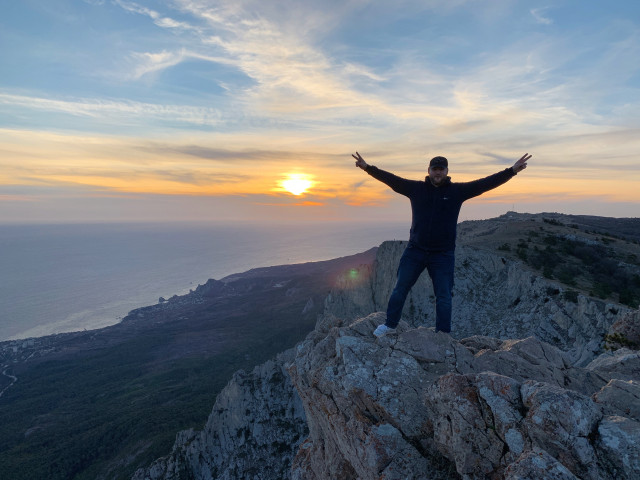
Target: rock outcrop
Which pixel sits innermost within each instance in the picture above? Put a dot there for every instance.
(493, 296)
(423, 405)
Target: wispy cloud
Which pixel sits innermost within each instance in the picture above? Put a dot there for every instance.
(154, 62)
(158, 19)
(291, 75)
(17, 198)
(538, 15)
(105, 109)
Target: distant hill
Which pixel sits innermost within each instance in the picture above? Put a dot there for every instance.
(597, 256)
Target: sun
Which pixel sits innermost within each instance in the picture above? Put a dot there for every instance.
(296, 183)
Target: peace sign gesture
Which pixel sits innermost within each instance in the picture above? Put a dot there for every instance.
(360, 161)
(521, 164)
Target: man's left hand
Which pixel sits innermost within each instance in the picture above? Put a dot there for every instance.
(521, 164)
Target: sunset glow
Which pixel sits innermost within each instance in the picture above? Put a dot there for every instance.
(296, 183)
(234, 110)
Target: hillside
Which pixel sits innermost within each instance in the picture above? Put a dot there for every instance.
(594, 255)
(102, 403)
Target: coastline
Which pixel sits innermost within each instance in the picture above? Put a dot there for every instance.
(67, 279)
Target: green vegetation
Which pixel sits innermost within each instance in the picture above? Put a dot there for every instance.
(505, 247)
(521, 250)
(571, 296)
(618, 340)
(593, 267)
(553, 221)
(71, 418)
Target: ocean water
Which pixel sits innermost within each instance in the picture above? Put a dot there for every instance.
(62, 278)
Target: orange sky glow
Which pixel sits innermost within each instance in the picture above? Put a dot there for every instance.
(205, 116)
(106, 166)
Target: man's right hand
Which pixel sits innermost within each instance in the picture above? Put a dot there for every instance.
(360, 161)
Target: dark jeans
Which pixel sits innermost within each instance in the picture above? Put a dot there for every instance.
(440, 267)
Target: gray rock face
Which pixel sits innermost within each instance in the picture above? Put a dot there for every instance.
(253, 432)
(493, 296)
(422, 405)
(619, 397)
(623, 364)
(618, 441)
(536, 464)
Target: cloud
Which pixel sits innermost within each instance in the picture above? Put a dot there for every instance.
(538, 15)
(154, 62)
(291, 75)
(298, 80)
(115, 110)
(17, 198)
(353, 69)
(240, 153)
(293, 80)
(210, 153)
(158, 19)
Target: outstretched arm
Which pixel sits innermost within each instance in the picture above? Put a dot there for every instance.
(398, 184)
(521, 164)
(478, 187)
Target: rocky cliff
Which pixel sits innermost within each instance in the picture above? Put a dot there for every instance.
(422, 405)
(522, 388)
(253, 431)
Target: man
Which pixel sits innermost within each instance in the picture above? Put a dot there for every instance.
(435, 205)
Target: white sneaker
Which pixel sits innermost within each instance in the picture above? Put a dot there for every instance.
(382, 330)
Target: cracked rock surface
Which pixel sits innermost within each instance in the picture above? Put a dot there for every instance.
(423, 405)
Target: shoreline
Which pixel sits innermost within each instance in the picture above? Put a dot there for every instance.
(68, 279)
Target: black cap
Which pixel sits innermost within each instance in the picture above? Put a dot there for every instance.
(439, 162)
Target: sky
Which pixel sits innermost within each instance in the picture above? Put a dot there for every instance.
(204, 110)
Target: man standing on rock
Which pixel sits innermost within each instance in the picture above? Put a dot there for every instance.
(435, 206)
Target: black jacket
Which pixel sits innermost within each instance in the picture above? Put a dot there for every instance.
(435, 210)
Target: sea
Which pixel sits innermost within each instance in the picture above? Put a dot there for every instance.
(64, 278)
